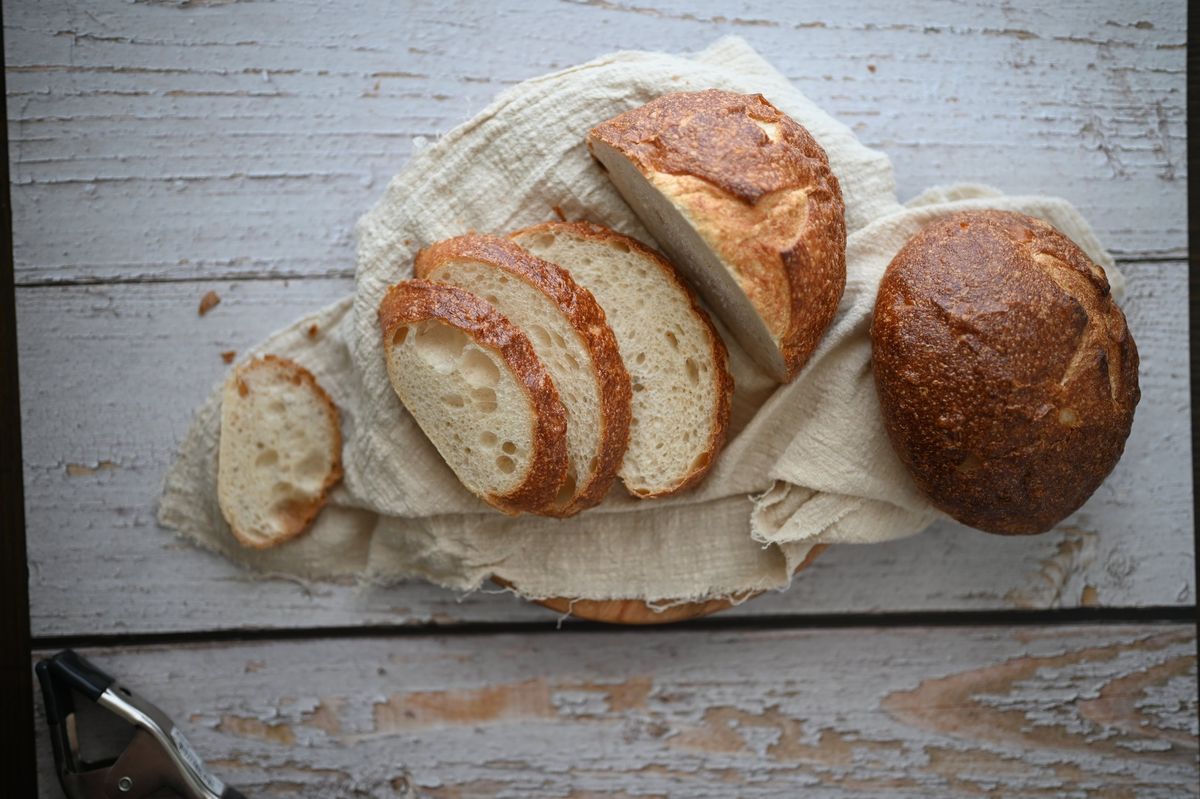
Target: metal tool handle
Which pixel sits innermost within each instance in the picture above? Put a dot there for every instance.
(158, 755)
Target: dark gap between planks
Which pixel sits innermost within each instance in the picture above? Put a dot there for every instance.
(834, 621)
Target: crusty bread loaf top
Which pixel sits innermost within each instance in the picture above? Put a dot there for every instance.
(270, 490)
(419, 300)
(1006, 373)
(720, 357)
(758, 188)
(587, 318)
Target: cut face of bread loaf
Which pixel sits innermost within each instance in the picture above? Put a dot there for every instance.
(1006, 374)
(676, 360)
(280, 451)
(742, 199)
(475, 386)
(568, 331)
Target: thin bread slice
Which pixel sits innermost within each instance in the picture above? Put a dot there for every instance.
(475, 386)
(280, 452)
(571, 337)
(743, 200)
(676, 360)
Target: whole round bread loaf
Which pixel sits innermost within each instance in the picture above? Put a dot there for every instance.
(1006, 373)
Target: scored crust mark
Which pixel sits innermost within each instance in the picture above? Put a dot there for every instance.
(1092, 295)
(587, 319)
(1034, 367)
(757, 188)
(723, 380)
(415, 301)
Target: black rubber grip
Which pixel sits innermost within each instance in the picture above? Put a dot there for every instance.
(74, 671)
(59, 703)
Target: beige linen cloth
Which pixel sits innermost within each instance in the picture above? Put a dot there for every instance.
(806, 463)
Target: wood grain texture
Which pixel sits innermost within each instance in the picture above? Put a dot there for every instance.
(184, 139)
(96, 453)
(198, 141)
(1014, 712)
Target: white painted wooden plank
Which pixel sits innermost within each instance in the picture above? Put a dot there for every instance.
(198, 139)
(1021, 712)
(110, 376)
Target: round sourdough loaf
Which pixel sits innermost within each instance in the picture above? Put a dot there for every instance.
(1006, 373)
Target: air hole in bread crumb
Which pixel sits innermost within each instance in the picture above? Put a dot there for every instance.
(400, 336)
(638, 387)
(693, 371)
(285, 487)
(543, 240)
(276, 406)
(488, 439)
(539, 334)
(505, 464)
(312, 467)
(484, 399)
(440, 346)
(671, 337)
(478, 369)
(620, 245)
(266, 458)
(453, 400)
(640, 358)
(509, 447)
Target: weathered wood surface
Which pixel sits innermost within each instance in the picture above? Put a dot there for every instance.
(1012, 712)
(190, 138)
(96, 452)
(192, 142)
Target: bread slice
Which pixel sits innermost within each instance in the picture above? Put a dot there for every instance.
(474, 385)
(280, 452)
(570, 336)
(675, 358)
(742, 199)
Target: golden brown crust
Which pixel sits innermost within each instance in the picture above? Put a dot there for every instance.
(1006, 373)
(586, 316)
(420, 300)
(725, 385)
(758, 188)
(299, 515)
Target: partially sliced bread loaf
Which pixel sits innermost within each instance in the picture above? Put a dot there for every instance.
(280, 451)
(571, 337)
(675, 358)
(475, 386)
(743, 200)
